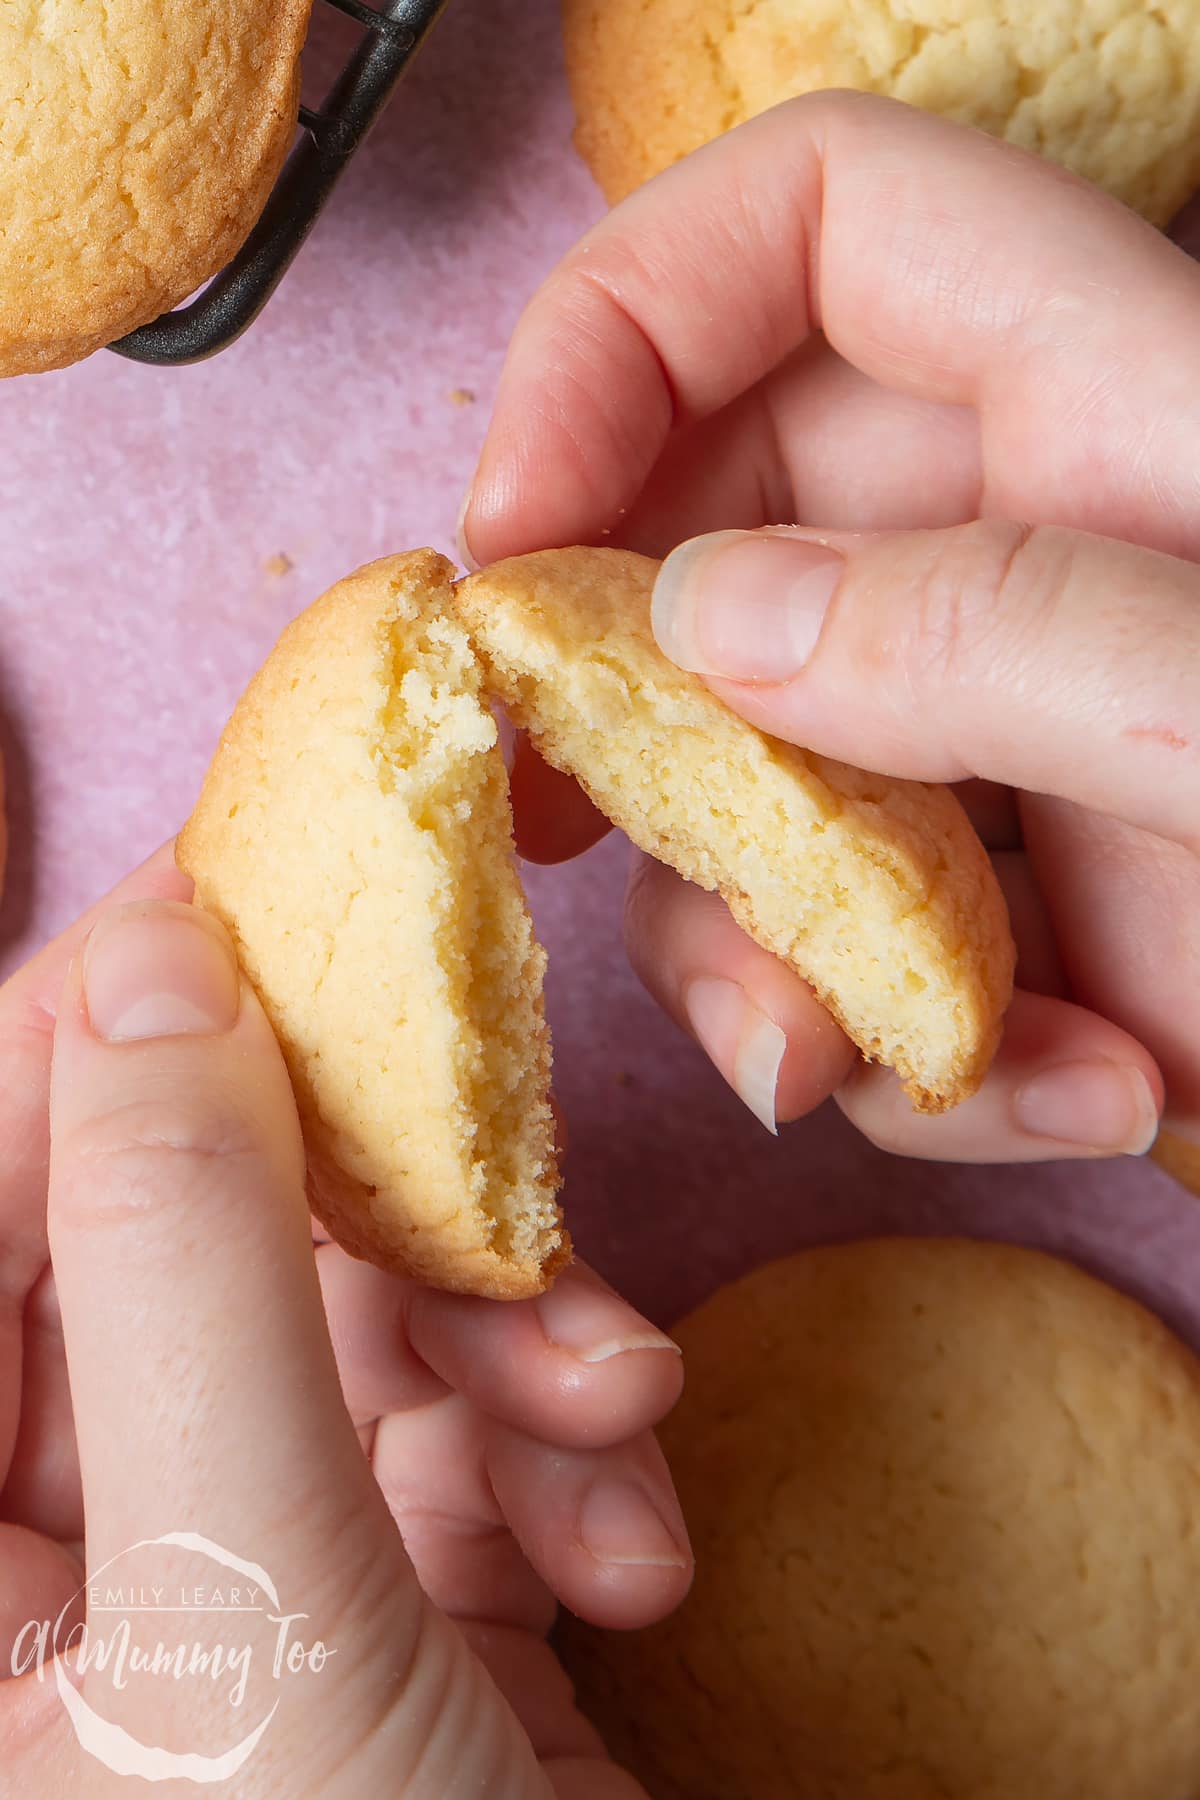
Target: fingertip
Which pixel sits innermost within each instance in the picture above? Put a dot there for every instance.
(603, 1528)
(553, 819)
(1066, 1085)
(761, 1026)
(576, 1367)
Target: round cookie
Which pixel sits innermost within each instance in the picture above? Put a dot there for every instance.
(1109, 88)
(943, 1498)
(138, 144)
(876, 891)
(1179, 1158)
(354, 835)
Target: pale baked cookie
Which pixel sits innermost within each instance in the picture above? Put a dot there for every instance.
(876, 891)
(1110, 88)
(354, 835)
(1179, 1158)
(138, 144)
(943, 1498)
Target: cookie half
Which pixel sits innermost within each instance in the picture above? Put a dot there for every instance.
(877, 892)
(943, 1501)
(138, 144)
(354, 836)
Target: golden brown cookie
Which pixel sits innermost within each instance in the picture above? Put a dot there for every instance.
(1179, 1158)
(354, 835)
(138, 144)
(876, 891)
(943, 1498)
(1109, 88)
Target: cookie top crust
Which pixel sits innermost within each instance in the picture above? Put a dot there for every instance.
(1107, 88)
(942, 1497)
(138, 144)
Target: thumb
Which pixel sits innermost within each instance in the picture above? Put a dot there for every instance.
(205, 1392)
(181, 1249)
(1044, 659)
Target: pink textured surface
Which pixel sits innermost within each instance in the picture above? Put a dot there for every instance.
(139, 511)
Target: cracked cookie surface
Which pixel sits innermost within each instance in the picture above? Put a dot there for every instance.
(138, 144)
(1108, 88)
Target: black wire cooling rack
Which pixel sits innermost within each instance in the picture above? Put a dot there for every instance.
(392, 32)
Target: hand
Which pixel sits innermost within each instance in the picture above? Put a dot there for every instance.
(166, 1366)
(852, 313)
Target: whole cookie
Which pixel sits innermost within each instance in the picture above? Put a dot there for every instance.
(1109, 88)
(138, 144)
(943, 1498)
(354, 836)
(876, 891)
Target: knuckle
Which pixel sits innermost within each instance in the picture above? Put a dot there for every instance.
(984, 597)
(156, 1153)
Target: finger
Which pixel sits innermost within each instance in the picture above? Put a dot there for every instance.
(760, 1025)
(179, 1231)
(1064, 1084)
(1124, 905)
(28, 1001)
(937, 261)
(815, 440)
(498, 1523)
(39, 1578)
(602, 1528)
(431, 1465)
(552, 816)
(1043, 659)
(1039, 967)
(176, 1195)
(575, 1366)
(43, 1487)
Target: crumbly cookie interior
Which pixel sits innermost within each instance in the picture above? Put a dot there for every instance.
(876, 891)
(435, 754)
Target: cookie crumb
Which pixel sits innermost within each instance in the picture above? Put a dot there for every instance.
(461, 396)
(623, 1078)
(279, 565)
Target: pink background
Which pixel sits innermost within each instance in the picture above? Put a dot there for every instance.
(140, 511)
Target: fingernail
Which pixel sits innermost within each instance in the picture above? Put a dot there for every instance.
(1095, 1105)
(159, 969)
(744, 1044)
(746, 605)
(618, 1523)
(465, 556)
(592, 1324)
